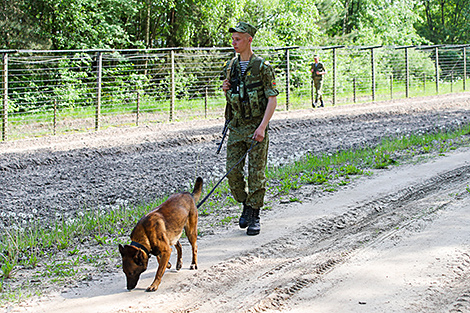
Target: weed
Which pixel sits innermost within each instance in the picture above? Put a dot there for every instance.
(468, 188)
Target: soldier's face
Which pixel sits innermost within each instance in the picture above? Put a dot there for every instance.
(241, 42)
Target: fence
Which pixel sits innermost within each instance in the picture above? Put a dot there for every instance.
(50, 92)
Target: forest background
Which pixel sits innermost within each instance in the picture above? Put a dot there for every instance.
(124, 24)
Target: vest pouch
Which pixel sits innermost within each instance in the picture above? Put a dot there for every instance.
(255, 103)
(235, 102)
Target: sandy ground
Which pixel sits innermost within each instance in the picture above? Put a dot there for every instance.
(396, 241)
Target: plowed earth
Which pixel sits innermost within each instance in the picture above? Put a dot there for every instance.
(396, 241)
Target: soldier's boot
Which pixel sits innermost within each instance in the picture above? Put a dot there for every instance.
(321, 103)
(254, 227)
(244, 220)
(314, 105)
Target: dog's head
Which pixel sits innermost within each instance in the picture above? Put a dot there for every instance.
(134, 263)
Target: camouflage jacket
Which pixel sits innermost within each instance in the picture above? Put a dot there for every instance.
(248, 96)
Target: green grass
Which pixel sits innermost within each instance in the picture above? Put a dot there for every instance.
(41, 244)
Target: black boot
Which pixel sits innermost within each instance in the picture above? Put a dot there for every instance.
(254, 227)
(244, 220)
(321, 104)
(314, 105)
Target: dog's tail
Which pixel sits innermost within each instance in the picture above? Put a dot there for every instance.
(197, 189)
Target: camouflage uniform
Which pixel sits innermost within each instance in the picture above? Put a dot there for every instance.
(247, 100)
(317, 80)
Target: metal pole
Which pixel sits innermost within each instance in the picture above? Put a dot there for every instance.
(373, 73)
(98, 90)
(206, 98)
(287, 79)
(172, 99)
(451, 82)
(354, 89)
(424, 83)
(137, 109)
(5, 97)
(464, 67)
(334, 76)
(55, 118)
(407, 73)
(436, 49)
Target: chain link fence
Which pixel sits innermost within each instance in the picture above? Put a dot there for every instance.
(54, 92)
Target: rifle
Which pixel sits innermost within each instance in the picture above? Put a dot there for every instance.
(224, 133)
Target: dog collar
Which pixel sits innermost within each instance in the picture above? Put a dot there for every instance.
(138, 245)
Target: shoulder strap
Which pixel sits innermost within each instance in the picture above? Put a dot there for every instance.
(229, 68)
(257, 63)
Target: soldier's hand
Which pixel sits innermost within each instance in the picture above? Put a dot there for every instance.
(226, 85)
(259, 134)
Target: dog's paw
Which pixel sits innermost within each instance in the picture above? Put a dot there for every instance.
(193, 267)
(168, 265)
(151, 289)
(179, 265)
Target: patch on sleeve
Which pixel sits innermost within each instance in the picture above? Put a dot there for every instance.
(273, 83)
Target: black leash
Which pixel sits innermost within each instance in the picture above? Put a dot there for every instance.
(253, 144)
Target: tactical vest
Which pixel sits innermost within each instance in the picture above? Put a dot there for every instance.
(246, 95)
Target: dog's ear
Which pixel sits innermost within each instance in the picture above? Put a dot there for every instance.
(139, 258)
(121, 249)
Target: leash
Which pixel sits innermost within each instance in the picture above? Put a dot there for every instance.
(253, 144)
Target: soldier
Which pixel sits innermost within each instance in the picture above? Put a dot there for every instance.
(318, 70)
(250, 89)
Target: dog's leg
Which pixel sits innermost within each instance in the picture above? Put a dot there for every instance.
(179, 250)
(167, 266)
(191, 233)
(162, 263)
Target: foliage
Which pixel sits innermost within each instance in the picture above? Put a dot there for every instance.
(120, 24)
(444, 22)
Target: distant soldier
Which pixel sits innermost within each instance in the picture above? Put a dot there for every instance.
(250, 88)
(318, 70)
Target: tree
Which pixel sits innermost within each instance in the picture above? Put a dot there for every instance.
(84, 24)
(445, 22)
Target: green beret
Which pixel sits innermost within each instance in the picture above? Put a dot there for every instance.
(243, 27)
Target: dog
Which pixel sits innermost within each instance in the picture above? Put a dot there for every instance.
(157, 231)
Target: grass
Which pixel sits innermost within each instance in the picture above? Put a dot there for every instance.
(55, 246)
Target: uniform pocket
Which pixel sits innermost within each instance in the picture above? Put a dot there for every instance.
(235, 101)
(254, 103)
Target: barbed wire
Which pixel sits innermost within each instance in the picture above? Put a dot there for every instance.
(49, 92)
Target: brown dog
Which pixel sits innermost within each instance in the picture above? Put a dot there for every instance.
(157, 231)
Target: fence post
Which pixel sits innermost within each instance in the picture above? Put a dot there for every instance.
(98, 90)
(372, 73)
(372, 68)
(407, 73)
(334, 76)
(5, 96)
(436, 49)
(424, 83)
(172, 96)
(55, 118)
(137, 109)
(287, 78)
(334, 69)
(206, 99)
(354, 89)
(451, 82)
(464, 67)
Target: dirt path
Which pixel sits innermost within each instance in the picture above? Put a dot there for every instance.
(393, 242)
(397, 241)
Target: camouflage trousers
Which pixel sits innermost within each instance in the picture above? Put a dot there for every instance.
(318, 84)
(239, 141)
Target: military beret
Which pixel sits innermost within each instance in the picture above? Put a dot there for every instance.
(243, 27)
